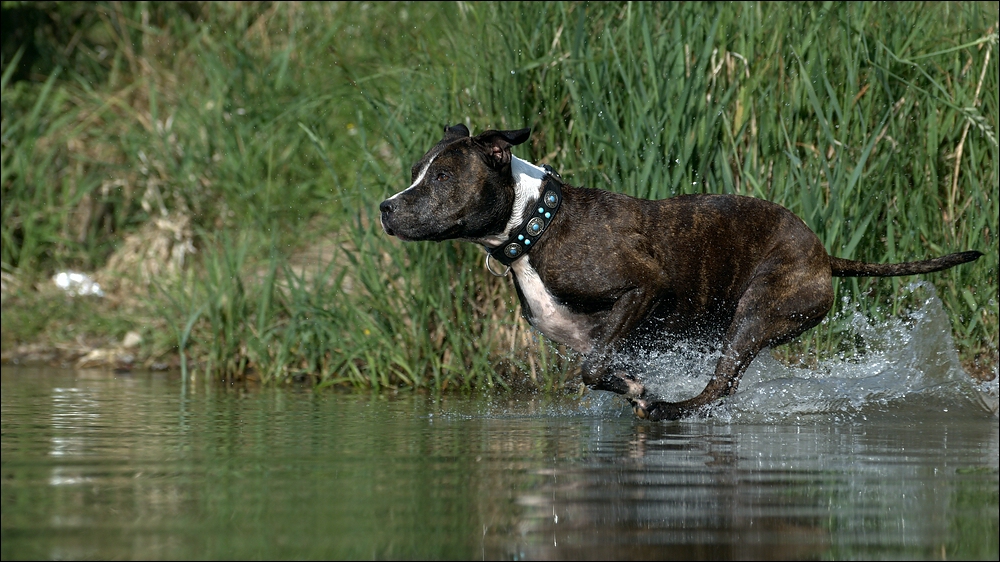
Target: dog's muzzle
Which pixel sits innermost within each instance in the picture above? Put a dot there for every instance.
(387, 207)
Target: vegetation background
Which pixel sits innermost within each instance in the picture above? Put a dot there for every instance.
(217, 167)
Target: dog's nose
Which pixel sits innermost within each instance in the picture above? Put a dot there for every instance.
(387, 206)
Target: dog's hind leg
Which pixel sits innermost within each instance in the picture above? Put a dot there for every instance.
(773, 310)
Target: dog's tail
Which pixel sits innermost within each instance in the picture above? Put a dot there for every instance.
(851, 268)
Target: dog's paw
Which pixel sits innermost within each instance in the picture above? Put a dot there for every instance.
(633, 388)
(658, 410)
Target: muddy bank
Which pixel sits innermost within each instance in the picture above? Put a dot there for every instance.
(124, 356)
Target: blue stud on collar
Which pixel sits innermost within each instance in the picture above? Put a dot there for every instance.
(551, 199)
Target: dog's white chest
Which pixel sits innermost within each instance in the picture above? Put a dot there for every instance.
(550, 317)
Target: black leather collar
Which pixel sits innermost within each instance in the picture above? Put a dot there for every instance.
(525, 236)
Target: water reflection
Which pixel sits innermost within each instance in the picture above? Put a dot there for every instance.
(762, 492)
(139, 466)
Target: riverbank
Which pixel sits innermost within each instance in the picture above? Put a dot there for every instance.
(122, 332)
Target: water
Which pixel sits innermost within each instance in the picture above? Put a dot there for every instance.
(891, 456)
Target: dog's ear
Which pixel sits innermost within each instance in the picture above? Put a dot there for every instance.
(459, 131)
(496, 144)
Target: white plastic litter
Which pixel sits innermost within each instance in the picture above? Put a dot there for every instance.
(76, 283)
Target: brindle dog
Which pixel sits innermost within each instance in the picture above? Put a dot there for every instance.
(605, 273)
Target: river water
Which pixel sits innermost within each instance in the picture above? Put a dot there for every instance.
(891, 456)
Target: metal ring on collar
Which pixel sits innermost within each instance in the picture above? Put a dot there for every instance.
(490, 269)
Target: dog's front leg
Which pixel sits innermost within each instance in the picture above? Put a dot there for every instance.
(600, 371)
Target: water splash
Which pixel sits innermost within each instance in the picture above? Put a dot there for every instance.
(907, 365)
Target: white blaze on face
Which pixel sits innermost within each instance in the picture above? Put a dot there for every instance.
(420, 178)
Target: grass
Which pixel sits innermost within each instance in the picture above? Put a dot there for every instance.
(219, 166)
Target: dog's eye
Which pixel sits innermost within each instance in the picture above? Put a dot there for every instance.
(443, 176)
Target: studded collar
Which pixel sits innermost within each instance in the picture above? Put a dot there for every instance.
(525, 236)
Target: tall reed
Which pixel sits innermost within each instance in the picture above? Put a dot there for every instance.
(276, 130)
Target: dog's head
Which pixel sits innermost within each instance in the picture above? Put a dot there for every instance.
(462, 188)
